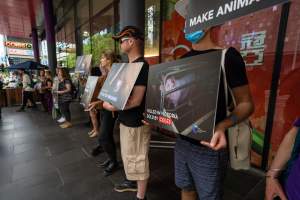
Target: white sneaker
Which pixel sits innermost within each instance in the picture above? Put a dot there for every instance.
(61, 120)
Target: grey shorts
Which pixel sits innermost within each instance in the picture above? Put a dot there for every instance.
(200, 169)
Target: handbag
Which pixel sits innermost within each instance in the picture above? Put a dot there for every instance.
(239, 136)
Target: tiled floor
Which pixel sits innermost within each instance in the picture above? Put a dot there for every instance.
(40, 161)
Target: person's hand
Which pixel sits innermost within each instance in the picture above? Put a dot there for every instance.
(144, 121)
(109, 107)
(218, 140)
(91, 106)
(274, 189)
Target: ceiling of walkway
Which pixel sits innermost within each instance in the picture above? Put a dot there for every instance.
(18, 16)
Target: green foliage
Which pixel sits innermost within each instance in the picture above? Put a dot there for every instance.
(101, 43)
(71, 60)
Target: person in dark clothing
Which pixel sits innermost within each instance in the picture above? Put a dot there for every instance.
(200, 167)
(65, 96)
(47, 88)
(108, 119)
(134, 135)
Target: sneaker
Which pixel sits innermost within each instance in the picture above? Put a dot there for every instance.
(65, 125)
(126, 186)
(111, 168)
(104, 164)
(94, 134)
(61, 120)
(96, 151)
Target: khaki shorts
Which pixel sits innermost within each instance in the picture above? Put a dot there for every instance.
(135, 149)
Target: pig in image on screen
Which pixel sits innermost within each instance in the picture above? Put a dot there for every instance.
(182, 95)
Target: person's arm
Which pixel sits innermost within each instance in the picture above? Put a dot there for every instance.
(243, 109)
(109, 107)
(273, 187)
(136, 97)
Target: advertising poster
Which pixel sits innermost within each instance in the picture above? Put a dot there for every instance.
(83, 64)
(182, 95)
(90, 91)
(119, 83)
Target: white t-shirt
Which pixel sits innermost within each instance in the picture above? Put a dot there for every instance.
(26, 83)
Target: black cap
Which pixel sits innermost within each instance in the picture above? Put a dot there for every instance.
(129, 31)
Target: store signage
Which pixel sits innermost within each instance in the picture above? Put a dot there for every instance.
(20, 45)
(204, 14)
(181, 98)
(20, 52)
(119, 83)
(253, 48)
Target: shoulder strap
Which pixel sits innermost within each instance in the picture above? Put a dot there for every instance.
(226, 86)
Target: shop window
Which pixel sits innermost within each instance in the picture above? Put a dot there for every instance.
(102, 31)
(255, 36)
(288, 98)
(85, 39)
(152, 30)
(70, 51)
(61, 48)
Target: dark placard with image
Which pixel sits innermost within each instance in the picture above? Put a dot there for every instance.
(119, 83)
(83, 64)
(182, 95)
(205, 14)
(91, 90)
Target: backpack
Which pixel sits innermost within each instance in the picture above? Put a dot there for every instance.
(240, 135)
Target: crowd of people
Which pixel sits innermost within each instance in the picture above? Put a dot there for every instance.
(200, 167)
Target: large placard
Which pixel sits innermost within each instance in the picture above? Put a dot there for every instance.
(91, 90)
(119, 83)
(182, 95)
(204, 14)
(83, 64)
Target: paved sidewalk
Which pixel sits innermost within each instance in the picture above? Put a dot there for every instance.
(40, 161)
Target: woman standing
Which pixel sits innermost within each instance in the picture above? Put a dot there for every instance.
(47, 88)
(64, 95)
(284, 173)
(108, 119)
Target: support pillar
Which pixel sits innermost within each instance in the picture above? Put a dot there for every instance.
(35, 45)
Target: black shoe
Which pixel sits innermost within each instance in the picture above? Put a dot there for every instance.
(126, 186)
(96, 151)
(111, 168)
(104, 164)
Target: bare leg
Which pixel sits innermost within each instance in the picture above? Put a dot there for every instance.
(188, 195)
(142, 187)
(94, 119)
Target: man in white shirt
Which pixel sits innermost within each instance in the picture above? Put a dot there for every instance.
(27, 90)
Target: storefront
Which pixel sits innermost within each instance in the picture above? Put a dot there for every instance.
(86, 27)
(18, 50)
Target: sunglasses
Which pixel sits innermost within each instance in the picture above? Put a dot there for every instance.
(123, 39)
